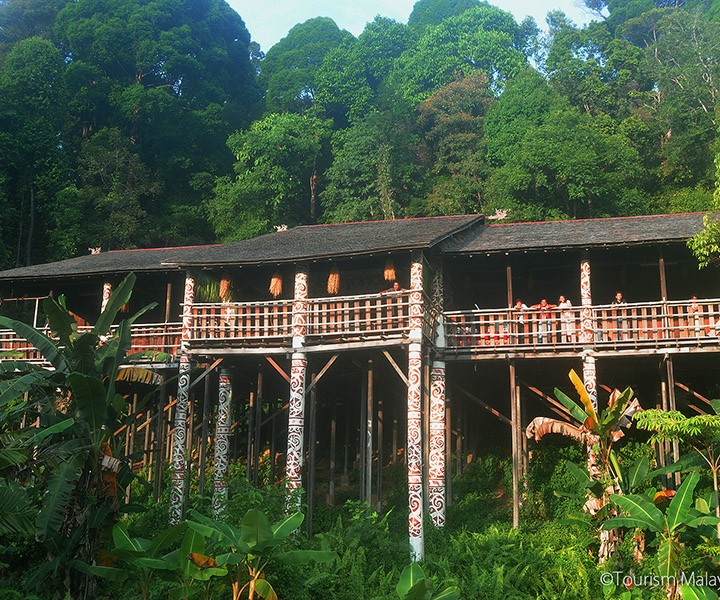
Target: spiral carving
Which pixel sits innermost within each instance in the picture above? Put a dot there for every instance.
(590, 379)
(587, 327)
(222, 445)
(436, 464)
(107, 290)
(300, 304)
(414, 444)
(187, 317)
(296, 422)
(177, 492)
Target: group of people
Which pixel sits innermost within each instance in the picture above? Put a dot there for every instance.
(544, 317)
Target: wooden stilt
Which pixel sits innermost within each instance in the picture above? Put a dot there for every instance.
(458, 442)
(362, 455)
(369, 413)
(312, 456)
(222, 443)
(448, 444)
(380, 457)
(516, 449)
(258, 428)
(273, 449)
(249, 419)
(333, 442)
(346, 450)
(204, 435)
(394, 440)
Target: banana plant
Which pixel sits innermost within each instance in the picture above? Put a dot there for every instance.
(414, 585)
(639, 511)
(78, 408)
(247, 551)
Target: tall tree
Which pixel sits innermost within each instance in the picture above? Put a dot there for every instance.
(279, 160)
(288, 71)
(426, 13)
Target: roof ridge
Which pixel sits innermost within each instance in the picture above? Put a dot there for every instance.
(586, 219)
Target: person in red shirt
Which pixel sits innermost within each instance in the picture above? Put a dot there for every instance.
(544, 317)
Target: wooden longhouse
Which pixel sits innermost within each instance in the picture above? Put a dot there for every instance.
(334, 373)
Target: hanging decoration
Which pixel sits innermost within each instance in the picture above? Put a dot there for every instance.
(389, 272)
(207, 288)
(276, 284)
(333, 284)
(225, 290)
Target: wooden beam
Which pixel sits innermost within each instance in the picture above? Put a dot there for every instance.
(487, 407)
(555, 406)
(395, 366)
(205, 373)
(693, 392)
(516, 443)
(278, 368)
(322, 372)
(698, 410)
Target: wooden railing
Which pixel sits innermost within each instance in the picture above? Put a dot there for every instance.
(145, 337)
(359, 317)
(642, 324)
(253, 322)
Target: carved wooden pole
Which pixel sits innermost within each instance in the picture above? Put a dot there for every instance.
(296, 409)
(414, 416)
(436, 471)
(222, 443)
(107, 290)
(179, 461)
(587, 332)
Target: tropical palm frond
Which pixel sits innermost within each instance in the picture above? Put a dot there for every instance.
(16, 511)
(55, 502)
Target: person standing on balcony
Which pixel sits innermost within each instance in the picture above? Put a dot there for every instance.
(694, 310)
(394, 305)
(544, 317)
(620, 321)
(567, 319)
(519, 319)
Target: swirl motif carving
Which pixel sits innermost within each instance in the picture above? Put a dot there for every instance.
(300, 304)
(414, 443)
(222, 445)
(416, 300)
(187, 317)
(107, 290)
(590, 379)
(436, 466)
(296, 422)
(587, 328)
(177, 492)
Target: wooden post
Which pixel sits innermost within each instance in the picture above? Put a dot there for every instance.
(258, 427)
(380, 458)
(179, 461)
(508, 279)
(333, 451)
(663, 279)
(312, 455)
(362, 435)
(394, 440)
(273, 435)
(168, 300)
(448, 446)
(414, 416)
(369, 413)
(672, 405)
(516, 447)
(107, 290)
(204, 434)
(250, 413)
(436, 470)
(296, 404)
(222, 443)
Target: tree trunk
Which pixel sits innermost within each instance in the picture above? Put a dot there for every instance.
(31, 228)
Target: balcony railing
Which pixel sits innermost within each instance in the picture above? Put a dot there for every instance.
(642, 324)
(252, 322)
(145, 337)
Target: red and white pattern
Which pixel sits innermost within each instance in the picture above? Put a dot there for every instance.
(414, 452)
(107, 290)
(187, 319)
(416, 298)
(590, 378)
(587, 329)
(300, 306)
(222, 444)
(436, 467)
(296, 422)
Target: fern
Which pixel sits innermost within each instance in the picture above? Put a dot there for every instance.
(16, 511)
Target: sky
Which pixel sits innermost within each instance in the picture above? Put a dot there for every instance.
(270, 21)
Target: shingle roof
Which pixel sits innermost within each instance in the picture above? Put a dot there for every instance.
(342, 239)
(299, 243)
(581, 233)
